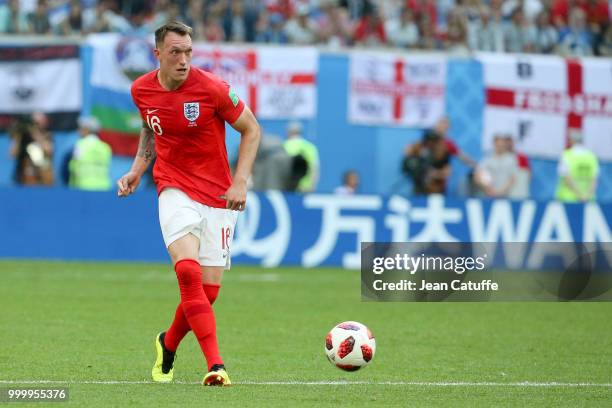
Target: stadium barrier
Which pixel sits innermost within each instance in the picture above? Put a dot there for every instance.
(282, 229)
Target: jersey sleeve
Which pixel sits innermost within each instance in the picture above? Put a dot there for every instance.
(136, 100)
(229, 105)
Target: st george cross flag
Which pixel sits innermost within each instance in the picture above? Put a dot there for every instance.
(537, 99)
(275, 82)
(390, 89)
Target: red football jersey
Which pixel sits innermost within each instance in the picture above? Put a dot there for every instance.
(189, 127)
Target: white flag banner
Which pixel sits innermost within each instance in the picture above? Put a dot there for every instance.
(536, 99)
(43, 78)
(387, 89)
(275, 82)
(48, 86)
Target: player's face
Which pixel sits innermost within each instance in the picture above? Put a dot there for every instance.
(175, 56)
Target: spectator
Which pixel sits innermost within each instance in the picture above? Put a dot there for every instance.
(212, 29)
(73, 23)
(428, 39)
(370, 30)
(425, 8)
(239, 22)
(283, 7)
(530, 8)
(194, 17)
(604, 47)
(576, 41)
(299, 29)
(354, 8)
(112, 16)
(296, 146)
(32, 149)
(350, 183)
(94, 21)
(91, 158)
(39, 19)
(390, 10)
(542, 26)
(597, 14)
(333, 25)
(427, 163)
(273, 32)
(163, 12)
(456, 35)
(519, 36)
(443, 8)
(578, 171)
(470, 10)
(546, 35)
(403, 32)
(486, 34)
(559, 12)
(12, 19)
(498, 173)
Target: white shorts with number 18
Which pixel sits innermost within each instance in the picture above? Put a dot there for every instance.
(179, 215)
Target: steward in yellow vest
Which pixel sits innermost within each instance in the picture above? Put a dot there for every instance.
(296, 146)
(91, 159)
(578, 171)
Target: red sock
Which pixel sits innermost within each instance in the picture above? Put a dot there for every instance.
(212, 291)
(180, 326)
(177, 331)
(197, 309)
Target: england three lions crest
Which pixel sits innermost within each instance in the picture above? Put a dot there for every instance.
(191, 110)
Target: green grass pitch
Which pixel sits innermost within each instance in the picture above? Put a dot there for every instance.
(91, 326)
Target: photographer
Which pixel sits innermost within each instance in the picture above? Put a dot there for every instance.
(32, 149)
(427, 163)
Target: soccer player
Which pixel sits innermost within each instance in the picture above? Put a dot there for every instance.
(184, 110)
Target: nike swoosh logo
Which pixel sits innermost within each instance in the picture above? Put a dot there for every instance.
(149, 111)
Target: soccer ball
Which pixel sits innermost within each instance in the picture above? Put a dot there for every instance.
(350, 346)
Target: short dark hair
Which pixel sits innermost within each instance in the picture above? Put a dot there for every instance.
(173, 26)
(431, 135)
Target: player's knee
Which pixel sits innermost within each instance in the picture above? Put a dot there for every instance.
(188, 272)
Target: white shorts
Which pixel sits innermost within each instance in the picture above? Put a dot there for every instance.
(179, 215)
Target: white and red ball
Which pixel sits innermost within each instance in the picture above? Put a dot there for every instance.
(350, 346)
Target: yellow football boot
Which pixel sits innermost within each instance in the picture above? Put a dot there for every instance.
(163, 370)
(217, 377)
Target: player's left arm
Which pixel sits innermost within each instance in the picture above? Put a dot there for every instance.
(250, 136)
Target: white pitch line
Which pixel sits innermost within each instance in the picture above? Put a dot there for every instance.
(396, 383)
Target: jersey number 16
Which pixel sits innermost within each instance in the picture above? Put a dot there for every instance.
(154, 125)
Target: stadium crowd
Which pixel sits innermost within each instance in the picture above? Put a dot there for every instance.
(567, 27)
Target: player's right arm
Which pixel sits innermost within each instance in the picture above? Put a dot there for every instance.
(128, 183)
